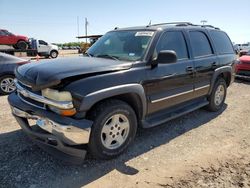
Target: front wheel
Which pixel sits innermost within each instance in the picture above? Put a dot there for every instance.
(114, 128)
(218, 95)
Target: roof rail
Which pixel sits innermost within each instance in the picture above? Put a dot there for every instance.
(183, 24)
(210, 26)
(174, 23)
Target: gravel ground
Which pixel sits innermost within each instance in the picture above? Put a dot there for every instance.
(201, 149)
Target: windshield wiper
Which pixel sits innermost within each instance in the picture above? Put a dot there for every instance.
(108, 56)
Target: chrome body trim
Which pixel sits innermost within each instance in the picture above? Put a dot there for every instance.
(69, 134)
(22, 99)
(202, 87)
(41, 99)
(179, 94)
(172, 96)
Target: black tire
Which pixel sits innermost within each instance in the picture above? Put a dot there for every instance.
(53, 54)
(22, 45)
(102, 114)
(3, 89)
(14, 46)
(213, 105)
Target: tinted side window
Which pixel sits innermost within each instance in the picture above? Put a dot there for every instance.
(2, 33)
(222, 42)
(42, 42)
(173, 40)
(200, 44)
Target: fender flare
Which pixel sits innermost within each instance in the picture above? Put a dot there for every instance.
(217, 72)
(92, 98)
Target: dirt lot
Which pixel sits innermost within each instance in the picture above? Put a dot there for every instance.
(201, 149)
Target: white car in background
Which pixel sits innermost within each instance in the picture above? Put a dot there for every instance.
(245, 47)
(44, 48)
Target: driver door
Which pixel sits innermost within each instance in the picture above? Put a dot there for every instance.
(42, 46)
(170, 84)
(4, 38)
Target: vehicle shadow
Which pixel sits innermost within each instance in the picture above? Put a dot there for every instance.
(21, 158)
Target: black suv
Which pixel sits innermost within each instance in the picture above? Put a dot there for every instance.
(139, 76)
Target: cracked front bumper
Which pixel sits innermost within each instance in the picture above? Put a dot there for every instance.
(61, 136)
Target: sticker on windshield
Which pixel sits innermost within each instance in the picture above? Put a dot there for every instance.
(144, 33)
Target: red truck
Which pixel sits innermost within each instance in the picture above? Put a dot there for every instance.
(243, 67)
(17, 41)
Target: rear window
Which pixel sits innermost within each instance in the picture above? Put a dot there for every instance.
(222, 42)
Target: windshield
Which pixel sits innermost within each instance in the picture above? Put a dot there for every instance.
(122, 45)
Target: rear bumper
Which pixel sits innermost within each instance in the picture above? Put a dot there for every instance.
(61, 136)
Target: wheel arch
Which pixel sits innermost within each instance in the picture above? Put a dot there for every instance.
(133, 94)
(7, 74)
(20, 40)
(224, 72)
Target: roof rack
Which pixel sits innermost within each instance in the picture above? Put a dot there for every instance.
(210, 26)
(173, 23)
(183, 24)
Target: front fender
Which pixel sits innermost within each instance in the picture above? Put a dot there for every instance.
(92, 98)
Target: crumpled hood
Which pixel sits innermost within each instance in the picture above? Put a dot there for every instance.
(49, 73)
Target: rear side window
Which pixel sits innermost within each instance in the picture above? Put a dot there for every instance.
(222, 42)
(200, 44)
(173, 40)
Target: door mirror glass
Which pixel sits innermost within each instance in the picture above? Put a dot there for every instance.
(166, 57)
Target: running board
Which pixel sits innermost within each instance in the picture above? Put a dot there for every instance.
(168, 115)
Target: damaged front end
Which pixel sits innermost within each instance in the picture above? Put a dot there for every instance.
(60, 135)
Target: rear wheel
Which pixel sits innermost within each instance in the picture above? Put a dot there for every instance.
(114, 129)
(218, 95)
(22, 45)
(7, 84)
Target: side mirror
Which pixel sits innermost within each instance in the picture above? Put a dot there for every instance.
(165, 57)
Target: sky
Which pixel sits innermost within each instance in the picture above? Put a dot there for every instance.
(56, 21)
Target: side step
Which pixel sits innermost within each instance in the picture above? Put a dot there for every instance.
(173, 113)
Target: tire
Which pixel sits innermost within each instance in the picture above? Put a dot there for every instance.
(7, 84)
(218, 95)
(53, 54)
(14, 46)
(113, 130)
(22, 45)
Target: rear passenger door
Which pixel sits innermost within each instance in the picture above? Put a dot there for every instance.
(170, 84)
(205, 61)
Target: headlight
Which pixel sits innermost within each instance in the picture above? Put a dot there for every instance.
(57, 95)
(63, 96)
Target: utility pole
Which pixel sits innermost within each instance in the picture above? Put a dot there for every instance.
(78, 27)
(203, 22)
(86, 29)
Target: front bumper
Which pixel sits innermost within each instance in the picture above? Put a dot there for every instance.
(62, 136)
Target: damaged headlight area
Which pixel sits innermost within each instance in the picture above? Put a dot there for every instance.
(59, 96)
